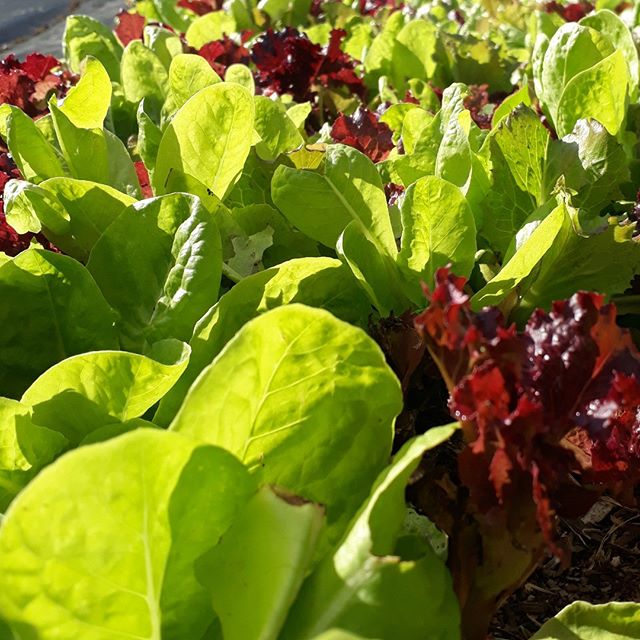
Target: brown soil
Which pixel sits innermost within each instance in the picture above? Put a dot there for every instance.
(605, 567)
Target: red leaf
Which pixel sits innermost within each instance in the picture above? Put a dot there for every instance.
(521, 396)
(38, 66)
(130, 27)
(364, 132)
(222, 53)
(201, 7)
(29, 84)
(337, 68)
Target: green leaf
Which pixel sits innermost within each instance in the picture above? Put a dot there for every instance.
(29, 207)
(523, 262)
(164, 43)
(584, 621)
(260, 564)
(96, 155)
(25, 449)
(470, 58)
(209, 138)
(294, 384)
(287, 243)
(168, 13)
(298, 113)
(365, 587)
(338, 634)
(142, 74)
(73, 213)
(51, 309)
(209, 27)
(376, 271)
(517, 150)
(84, 36)
(322, 204)
(572, 49)
(521, 96)
(592, 164)
(33, 154)
(599, 92)
(277, 131)
(253, 186)
(159, 265)
(240, 74)
(444, 145)
(604, 260)
(188, 74)
(248, 250)
(290, 12)
(130, 540)
(395, 115)
(87, 103)
(320, 282)
(149, 136)
(415, 50)
(611, 26)
(87, 392)
(378, 60)
(438, 229)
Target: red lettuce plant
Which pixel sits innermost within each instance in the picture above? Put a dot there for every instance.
(365, 132)
(30, 83)
(288, 62)
(571, 12)
(550, 419)
(222, 53)
(129, 27)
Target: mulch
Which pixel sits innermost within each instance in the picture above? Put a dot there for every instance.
(605, 567)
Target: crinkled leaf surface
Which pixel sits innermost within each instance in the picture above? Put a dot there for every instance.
(438, 229)
(517, 149)
(318, 282)
(322, 203)
(113, 556)
(142, 74)
(609, 24)
(592, 163)
(297, 384)
(599, 92)
(188, 74)
(209, 138)
(159, 265)
(277, 131)
(572, 49)
(584, 621)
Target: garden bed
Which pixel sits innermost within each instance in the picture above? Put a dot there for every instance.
(320, 321)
